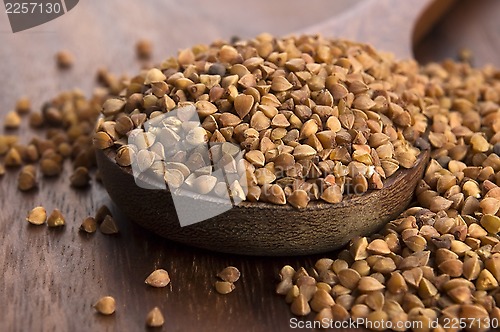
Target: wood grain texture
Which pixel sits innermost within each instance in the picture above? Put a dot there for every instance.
(50, 278)
(252, 228)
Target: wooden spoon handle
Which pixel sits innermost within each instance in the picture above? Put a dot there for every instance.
(389, 25)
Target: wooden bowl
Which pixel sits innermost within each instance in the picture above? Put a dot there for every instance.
(260, 228)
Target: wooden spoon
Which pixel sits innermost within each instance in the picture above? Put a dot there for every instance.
(267, 229)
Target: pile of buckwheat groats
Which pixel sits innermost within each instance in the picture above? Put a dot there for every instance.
(316, 119)
(439, 262)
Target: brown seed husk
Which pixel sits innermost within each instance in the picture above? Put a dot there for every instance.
(64, 59)
(101, 213)
(36, 120)
(125, 156)
(379, 247)
(486, 281)
(37, 216)
(106, 305)
(102, 140)
(299, 199)
(243, 104)
(273, 194)
(23, 105)
(13, 158)
(284, 286)
(7, 142)
(27, 179)
(349, 278)
(12, 120)
(89, 225)
(80, 177)
(229, 274)
(158, 278)
(332, 194)
(369, 284)
(144, 49)
(108, 226)
(321, 300)
(155, 318)
(287, 272)
(56, 219)
(325, 315)
(112, 106)
(339, 313)
(224, 287)
(491, 223)
(292, 294)
(300, 306)
(50, 167)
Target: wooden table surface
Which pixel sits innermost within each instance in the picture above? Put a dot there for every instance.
(50, 278)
